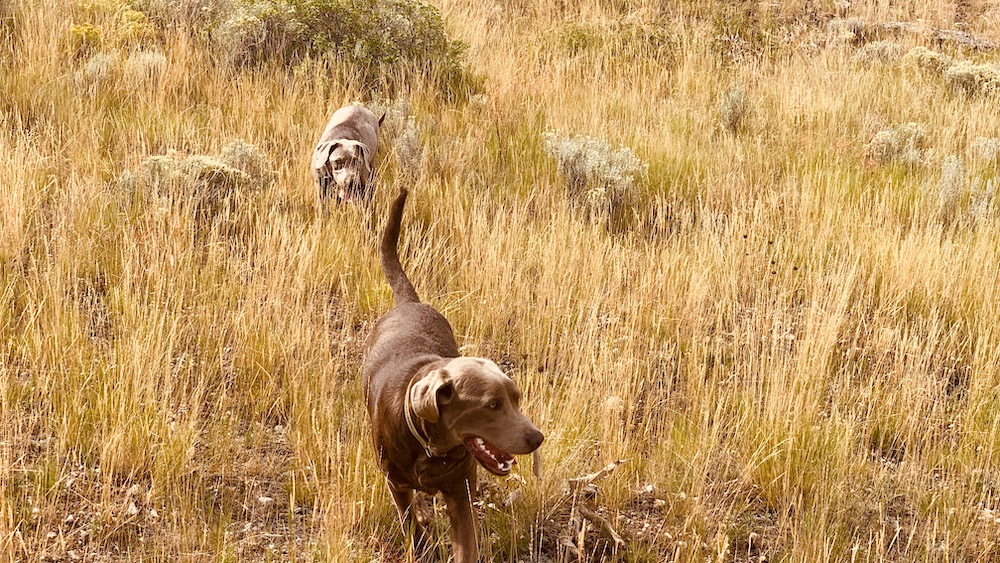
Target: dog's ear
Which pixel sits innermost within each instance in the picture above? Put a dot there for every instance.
(363, 153)
(321, 156)
(430, 393)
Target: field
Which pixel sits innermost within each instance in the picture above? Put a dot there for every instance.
(786, 327)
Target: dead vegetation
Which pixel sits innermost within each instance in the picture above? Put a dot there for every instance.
(792, 339)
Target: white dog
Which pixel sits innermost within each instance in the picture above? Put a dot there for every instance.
(343, 162)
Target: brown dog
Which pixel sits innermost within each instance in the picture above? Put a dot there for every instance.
(434, 413)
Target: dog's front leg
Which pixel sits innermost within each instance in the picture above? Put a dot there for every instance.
(403, 499)
(464, 544)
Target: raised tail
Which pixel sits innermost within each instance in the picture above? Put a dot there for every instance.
(402, 289)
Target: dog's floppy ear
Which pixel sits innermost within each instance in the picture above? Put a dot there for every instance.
(322, 154)
(365, 153)
(431, 392)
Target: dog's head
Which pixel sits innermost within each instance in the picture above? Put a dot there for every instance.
(341, 168)
(478, 406)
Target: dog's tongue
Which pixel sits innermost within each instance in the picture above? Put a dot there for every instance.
(492, 458)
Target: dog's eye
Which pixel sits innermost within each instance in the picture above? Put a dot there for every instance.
(494, 405)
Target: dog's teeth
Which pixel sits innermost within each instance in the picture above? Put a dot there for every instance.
(480, 443)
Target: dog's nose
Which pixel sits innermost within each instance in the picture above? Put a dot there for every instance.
(534, 439)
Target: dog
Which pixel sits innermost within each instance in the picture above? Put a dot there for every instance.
(343, 163)
(435, 413)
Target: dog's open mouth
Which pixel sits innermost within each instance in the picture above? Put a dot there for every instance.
(495, 460)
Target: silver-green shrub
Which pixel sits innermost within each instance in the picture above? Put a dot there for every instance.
(734, 110)
(99, 69)
(599, 178)
(878, 53)
(951, 188)
(145, 68)
(927, 60)
(409, 150)
(208, 181)
(970, 78)
(983, 199)
(986, 149)
(904, 143)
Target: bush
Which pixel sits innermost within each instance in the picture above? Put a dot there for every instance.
(847, 30)
(409, 151)
(209, 182)
(903, 143)
(244, 156)
(599, 179)
(99, 69)
(951, 188)
(981, 206)
(744, 32)
(396, 114)
(878, 53)
(376, 38)
(986, 149)
(734, 110)
(86, 38)
(970, 78)
(962, 202)
(145, 68)
(927, 60)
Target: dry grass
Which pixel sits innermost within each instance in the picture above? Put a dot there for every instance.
(799, 357)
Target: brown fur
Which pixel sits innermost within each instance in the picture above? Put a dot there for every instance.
(454, 401)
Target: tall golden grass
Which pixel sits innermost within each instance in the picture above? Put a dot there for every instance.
(799, 360)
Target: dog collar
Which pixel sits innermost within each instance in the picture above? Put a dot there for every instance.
(407, 409)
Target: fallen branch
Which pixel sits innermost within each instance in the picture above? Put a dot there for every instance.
(581, 482)
(602, 524)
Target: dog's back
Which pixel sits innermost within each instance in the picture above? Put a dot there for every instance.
(353, 122)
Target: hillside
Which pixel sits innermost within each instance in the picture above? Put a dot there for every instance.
(748, 248)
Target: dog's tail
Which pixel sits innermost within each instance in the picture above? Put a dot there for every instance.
(402, 289)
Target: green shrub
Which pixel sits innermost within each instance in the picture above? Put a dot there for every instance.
(377, 39)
